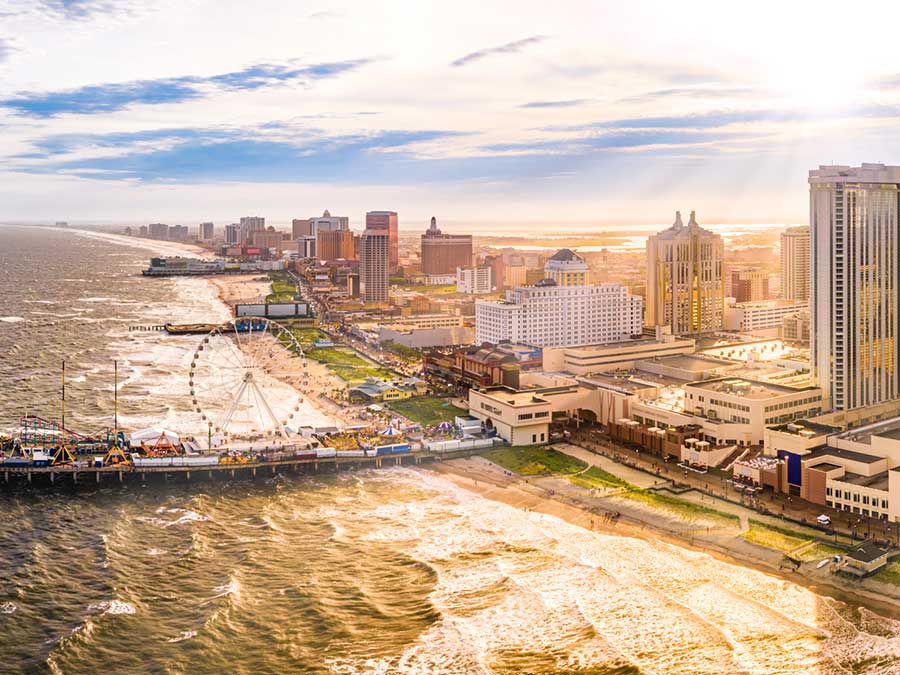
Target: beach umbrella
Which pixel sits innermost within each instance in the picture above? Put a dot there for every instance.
(390, 431)
(445, 426)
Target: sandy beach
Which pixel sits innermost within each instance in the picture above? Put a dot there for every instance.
(241, 288)
(578, 507)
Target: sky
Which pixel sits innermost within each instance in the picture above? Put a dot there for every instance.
(606, 113)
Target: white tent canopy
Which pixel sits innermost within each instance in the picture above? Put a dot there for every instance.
(152, 435)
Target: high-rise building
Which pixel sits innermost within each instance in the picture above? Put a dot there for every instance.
(301, 227)
(497, 267)
(178, 233)
(444, 253)
(795, 263)
(249, 225)
(306, 247)
(567, 268)
(854, 215)
(749, 285)
(206, 231)
(233, 234)
(334, 245)
(329, 223)
(271, 239)
(474, 280)
(374, 257)
(158, 231)
(387, 220)
(685, 281)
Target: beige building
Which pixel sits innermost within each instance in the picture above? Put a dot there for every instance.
(795, 264)
(685, 280)
(592, 359)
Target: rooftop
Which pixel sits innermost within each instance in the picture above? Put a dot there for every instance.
(838, 453)
(749, 389)
(806, 428)
(877, 482)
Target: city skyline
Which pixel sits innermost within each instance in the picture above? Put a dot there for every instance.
(528, 116)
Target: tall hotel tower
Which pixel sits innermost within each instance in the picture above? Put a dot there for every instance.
(685, 281)
(853, 214)
(795, 263)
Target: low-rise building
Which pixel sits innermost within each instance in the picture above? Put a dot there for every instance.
(748, 317)
(523, 416)
(589, 359)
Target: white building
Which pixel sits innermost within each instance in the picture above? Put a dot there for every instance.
(560, 316)
(795, 263)
(756, 316)
(474, 280)
(685, 280)
(855, 253)
(207, 231)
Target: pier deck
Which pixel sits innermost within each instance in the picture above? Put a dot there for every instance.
(58, 475)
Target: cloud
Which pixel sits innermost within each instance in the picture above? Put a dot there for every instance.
(6, 49)
(618, 140)
(570, 103)
(86, 9)
(698, 92)
(198, 155)
(508, 48)
(104, 98)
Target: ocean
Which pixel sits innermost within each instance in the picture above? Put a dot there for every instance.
(391, 571)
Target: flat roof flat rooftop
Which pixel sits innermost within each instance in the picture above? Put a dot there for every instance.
(877, 482)
(692, 362)
(838, 453)
(751, 389)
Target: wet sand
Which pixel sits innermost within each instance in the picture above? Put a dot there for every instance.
(488, 480)
(242, 288)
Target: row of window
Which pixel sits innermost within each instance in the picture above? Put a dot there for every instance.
(537, 415)
(855, 496)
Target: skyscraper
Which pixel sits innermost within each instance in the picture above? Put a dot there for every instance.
(334, 245)
(855, 253)
(374, 256)
(301, 227)
(795, 263)
(387, 220)
(249, 225)
(207, 230)
(233, 234)
(443, 253)
(685, 282)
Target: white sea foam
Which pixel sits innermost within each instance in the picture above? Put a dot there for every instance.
(113, 607)
(11, 319)
(186, 635)
(8, 608)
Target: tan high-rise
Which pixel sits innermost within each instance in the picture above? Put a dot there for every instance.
(685, 281)
(795, 263)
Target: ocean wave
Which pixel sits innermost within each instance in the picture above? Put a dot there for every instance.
(11, 319)
(113, 607)
(186, 635)
(8, 608)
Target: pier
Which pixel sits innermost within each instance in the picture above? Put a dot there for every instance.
(71, 475)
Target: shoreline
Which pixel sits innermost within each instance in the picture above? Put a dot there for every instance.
(512, 491)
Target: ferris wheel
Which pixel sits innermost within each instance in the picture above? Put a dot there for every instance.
(246, 379)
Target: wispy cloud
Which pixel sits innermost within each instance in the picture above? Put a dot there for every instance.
(568, 103)
(618, 140)
(196, 155)
(508, 48)
(85, 9)
(6, 49)
(103, 98)
(697, 92)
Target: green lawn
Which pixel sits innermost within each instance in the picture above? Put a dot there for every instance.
(532, 460)
(679, 507)
(402, 351)
(786, 540)
(890, 574)
(596, 477)
(429, 290)
(348, 365)
(306, 336)
(283, 288)
(426, 409)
